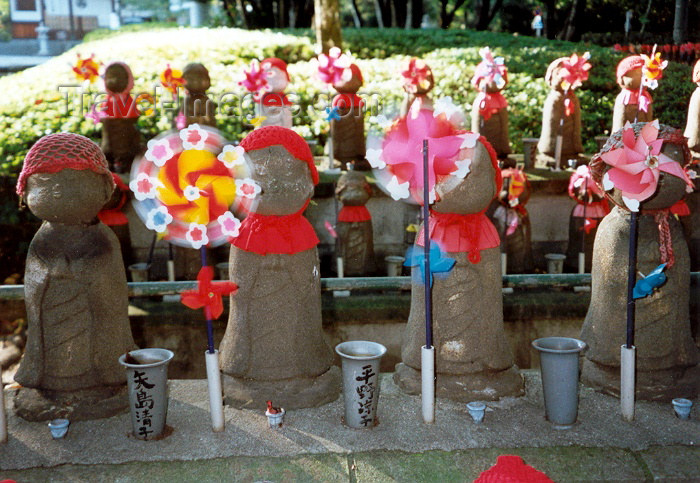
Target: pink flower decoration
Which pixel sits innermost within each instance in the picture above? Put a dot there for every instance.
(255, 79)
(402, 150)
(144, 186)
(334, 67)
(159, 151)
(637, 166)
(230, 225)
(247, 188)
(197, 235)
(576, 71)
(193, 137)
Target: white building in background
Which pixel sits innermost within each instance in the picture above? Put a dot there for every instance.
(62, 16)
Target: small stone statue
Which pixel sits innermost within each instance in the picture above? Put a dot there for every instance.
(490, 108)
(355, 225)
(274, 105)
(561, 115)
(667, 357)
(75, 287)
(473, 360)
(692, 128)
(273, 347)
(512, 220)
(591, 207)
(417, 83)
(349, 131)
(631, 105)
(121, 140)
(198, 108)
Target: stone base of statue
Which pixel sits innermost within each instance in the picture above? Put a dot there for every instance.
(295, 393)
(478, 386)
(661, 385)
(76, 405)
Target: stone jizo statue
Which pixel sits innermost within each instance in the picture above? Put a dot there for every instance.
(75, 287)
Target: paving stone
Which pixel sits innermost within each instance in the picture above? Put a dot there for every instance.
(673, 463)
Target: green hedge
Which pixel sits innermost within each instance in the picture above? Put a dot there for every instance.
(33, 106)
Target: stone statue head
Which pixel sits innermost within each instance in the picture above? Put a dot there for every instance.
(696, 73)
(351, 85)
(554, 75)
(353, 189)
(474, 192)
(276, 73)
(118, 78)
(282, 165)
(196, 77)
(629, 72)
(65, 179)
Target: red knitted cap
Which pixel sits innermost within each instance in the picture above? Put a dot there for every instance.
(627, 64)
(356, 72)
(267, 136)
(59, 151)
(696, 72)
(511, 468)
(275, 62)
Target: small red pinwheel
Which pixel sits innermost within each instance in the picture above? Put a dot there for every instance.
(417, 75)
(208, 293)
(255, 79)
(86, 69)
(171, 79)
(575, 71)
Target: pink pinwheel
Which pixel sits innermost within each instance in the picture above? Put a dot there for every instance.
(334, 67)
(417, 75)
(637, 166)
(255, 79)
(575, 71)
(490, 69)
(403, 145)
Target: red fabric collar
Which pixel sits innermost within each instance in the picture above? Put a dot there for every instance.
(490, 103)
(275, 99)
(120, 106)
(350, 214)
(276, 234)
(462, 233)
(348, 101)
(680, 208)
(632, 96)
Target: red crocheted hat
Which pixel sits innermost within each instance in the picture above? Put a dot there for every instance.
(276, 135)
(59, 151)
(511, 468)
(696, 72)
(627, 64)
(275, 62)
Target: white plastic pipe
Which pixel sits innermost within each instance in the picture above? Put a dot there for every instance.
(171, 271)
(216, 404)
(428, 383)
(3, 419)
(627, 363)
(341, 267)
(581, 262)
(504, 263)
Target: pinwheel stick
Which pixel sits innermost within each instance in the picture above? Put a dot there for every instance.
(427, 351)
(641, 84)
(631, 279)
(582, 253)
(426, 248)
(207, 312)
(627, 351)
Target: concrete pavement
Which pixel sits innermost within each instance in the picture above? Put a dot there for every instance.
(314, 445)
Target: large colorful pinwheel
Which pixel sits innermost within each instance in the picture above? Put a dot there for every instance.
(397, 158)
(637, 166)
(188, 186)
